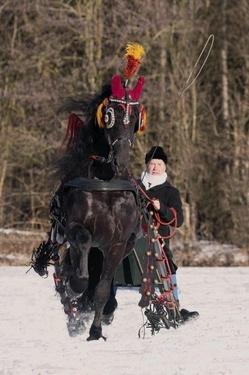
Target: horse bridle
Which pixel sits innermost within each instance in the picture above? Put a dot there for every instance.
(110, 157)
(127, 104)
(126, 121)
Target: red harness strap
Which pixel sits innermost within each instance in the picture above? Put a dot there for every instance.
(157, 220)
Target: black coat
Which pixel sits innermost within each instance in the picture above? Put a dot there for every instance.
(169, 197)
(128, 273)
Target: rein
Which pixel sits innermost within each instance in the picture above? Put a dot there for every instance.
(101, 159)
(157, 220)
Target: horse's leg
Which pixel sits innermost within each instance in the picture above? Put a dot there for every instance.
(95, 262)
(80, 241)
(111, 303)
(77, 278)
(112, 259)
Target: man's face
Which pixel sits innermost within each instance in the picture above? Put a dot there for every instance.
(156, 167)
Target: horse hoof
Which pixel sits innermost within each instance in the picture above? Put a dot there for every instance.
(95, 334)
(75, 326)
(90, 338)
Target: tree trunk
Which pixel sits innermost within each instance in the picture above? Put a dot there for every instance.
(225, 93)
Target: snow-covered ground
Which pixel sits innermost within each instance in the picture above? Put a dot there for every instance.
(34, 338)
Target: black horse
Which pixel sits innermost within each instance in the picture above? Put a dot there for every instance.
(97, 198)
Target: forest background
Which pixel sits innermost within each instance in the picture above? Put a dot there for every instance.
(54, 49)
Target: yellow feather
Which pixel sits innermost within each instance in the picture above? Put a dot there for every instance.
(135, 50)
(99, 115)
(143, 121)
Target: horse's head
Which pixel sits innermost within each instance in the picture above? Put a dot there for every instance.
(121, 116)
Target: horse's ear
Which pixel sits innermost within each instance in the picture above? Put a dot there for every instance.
(100, 113)
(142, 121)
(137, 91)
(118, 90)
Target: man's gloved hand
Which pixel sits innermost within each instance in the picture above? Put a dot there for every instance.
(156, 204)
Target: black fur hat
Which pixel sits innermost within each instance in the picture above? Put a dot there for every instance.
(156, 152)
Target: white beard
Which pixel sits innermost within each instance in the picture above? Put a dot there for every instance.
(151, 180)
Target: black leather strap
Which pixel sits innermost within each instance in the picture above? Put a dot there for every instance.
(88, 184)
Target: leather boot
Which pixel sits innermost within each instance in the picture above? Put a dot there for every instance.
(188, 315)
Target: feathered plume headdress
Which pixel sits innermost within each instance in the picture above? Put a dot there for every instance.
(134, 53)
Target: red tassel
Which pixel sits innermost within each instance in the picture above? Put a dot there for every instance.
(73, 127)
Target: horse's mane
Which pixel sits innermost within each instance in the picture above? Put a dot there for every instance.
(88, 138)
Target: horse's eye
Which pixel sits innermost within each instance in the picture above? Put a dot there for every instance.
(109, 118)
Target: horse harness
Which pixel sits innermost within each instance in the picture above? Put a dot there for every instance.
(161, 310)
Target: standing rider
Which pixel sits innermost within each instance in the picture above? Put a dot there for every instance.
(164, 197)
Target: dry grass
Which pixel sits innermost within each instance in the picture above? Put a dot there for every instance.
(210, 254)
(16, 246)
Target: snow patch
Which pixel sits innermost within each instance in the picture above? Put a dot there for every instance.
(34, 338)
